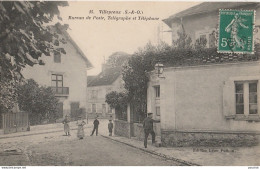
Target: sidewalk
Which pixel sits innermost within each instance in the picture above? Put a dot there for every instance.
(56, 127)
(205, 156)
(43, 129)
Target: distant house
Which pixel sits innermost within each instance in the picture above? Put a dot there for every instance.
(201, 21)
(66, 74)
(209, 101)
(110, 79)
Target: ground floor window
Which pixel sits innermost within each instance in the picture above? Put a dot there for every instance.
(246, 97)
(157, 110)
(103, 108)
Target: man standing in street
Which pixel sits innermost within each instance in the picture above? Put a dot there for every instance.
(148, 128)
(110, 127)
(96, 123)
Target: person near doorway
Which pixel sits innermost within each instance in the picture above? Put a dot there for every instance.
(66, 122)
(96, 123)
(148, 128)
(110, 127)
(80, 132)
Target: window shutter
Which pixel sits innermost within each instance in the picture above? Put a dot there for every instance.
(229, 98)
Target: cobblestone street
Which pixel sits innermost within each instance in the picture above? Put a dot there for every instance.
(55, 149)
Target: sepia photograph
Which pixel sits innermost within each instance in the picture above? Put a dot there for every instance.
(129, 83)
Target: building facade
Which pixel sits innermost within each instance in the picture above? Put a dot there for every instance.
(211, 104)
(67, 75)
(110, 79)
(201, 21)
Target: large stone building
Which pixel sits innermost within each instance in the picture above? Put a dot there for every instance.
(66, 74)
(209, 101)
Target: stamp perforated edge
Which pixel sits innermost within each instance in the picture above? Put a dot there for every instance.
(218, 30)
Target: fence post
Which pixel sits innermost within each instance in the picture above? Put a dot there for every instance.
(128, 113)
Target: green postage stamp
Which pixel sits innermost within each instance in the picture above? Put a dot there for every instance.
(236, 31)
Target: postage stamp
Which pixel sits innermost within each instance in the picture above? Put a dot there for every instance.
(236, 31)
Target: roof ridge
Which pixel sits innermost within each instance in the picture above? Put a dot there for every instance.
(88, 63)
(205, 7)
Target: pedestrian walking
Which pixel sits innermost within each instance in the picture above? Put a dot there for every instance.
(66, 122)
(81, 124)
(148, 128)
(110, 127)
(96, 123)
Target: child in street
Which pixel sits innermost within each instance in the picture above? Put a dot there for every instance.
(66, 122)
(110, 127)
(81, 124)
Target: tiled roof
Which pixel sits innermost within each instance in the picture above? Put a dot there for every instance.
(106, 77)
(206, 7)
(90, 78)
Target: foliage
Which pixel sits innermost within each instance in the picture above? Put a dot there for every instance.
(184, 41)
(40, 102)
(136, 74)
(117, 100)
(117, 59)
(8, 94)
(24, 37)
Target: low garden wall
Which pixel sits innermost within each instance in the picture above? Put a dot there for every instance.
(123, 128)
(213, 139)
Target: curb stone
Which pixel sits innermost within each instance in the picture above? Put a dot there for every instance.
(155, 153)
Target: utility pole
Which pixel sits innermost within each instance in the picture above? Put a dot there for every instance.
(160, 31)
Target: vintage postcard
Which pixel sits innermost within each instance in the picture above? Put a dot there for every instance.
(129, 83)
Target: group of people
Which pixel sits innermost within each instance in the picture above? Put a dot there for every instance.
(81, 123)
(147, 125)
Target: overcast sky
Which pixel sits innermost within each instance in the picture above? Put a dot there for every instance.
(101, 38)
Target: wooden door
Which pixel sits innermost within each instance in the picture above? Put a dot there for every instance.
(60, 110)
(74, 110)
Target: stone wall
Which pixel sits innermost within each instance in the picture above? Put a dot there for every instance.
(213, 139)
(100, 116)
(122, 128)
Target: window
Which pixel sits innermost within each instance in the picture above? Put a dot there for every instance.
(57, 57)
(206, 36)
(103, 108)
(94, 108)
(212, 39)
(109, 110)
(56, 80)
(239, 98)
(157, 110)
(203, 38)
(252, 98)
(246, 97)
(94, 94)
(157, 91)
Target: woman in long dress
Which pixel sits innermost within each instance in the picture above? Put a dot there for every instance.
(66, 122)
(81, 133)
